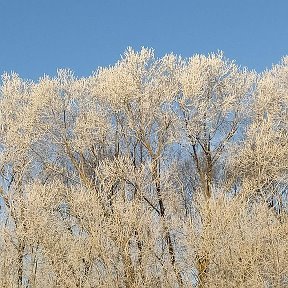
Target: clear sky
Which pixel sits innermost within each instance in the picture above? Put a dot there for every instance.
(39, 36)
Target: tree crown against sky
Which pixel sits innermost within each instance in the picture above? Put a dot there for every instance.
(152, 172)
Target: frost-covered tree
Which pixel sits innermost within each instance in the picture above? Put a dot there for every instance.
(153, 172)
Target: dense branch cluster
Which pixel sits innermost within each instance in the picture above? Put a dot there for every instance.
(154, 172)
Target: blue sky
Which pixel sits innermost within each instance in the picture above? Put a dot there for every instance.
(39, 36)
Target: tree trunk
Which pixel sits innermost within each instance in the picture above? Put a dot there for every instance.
(156, 180)
(20, 263)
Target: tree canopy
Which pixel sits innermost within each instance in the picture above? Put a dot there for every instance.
(153, 172)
